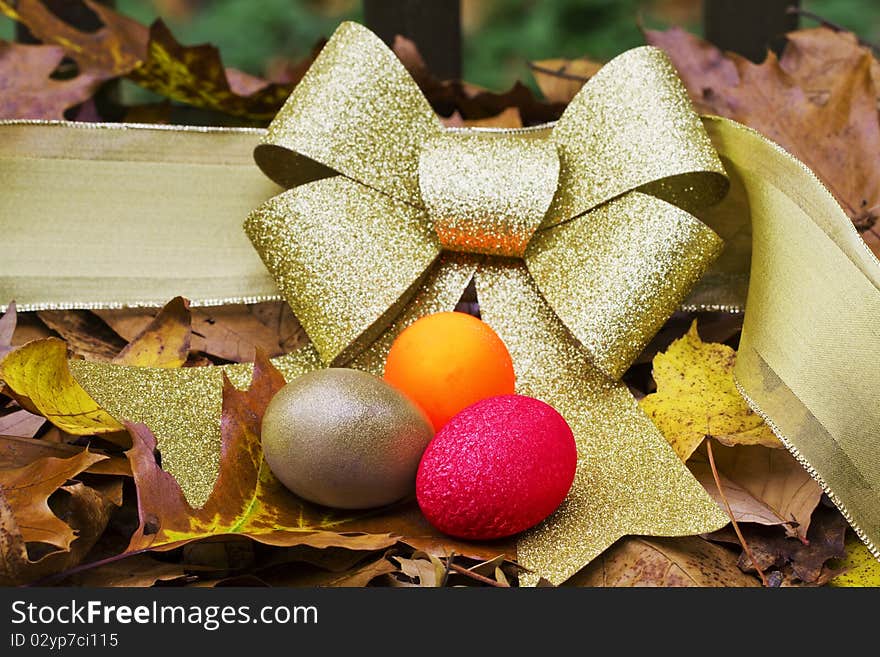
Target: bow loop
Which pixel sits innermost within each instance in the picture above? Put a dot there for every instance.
(345, 257)
(357, 112)
(632, 126)
(616, 274)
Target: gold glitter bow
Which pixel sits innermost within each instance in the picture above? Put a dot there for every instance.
(578, 236)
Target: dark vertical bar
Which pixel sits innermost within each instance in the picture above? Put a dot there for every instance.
(434, 25)
(749, 27)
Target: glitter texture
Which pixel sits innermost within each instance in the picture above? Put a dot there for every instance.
(616, 274)
(487, 192)
(633, 125)
(358, 258)
(343, 256)
(628, 480)
(181, 406)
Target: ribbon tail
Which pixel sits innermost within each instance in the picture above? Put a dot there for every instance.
(808, 359)
(628, 480)
(182, 408)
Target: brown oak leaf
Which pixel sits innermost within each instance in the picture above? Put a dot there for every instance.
(838, 138)
(675, 562)
(26, 89)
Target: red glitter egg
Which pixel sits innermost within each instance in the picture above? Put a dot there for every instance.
(498, 467)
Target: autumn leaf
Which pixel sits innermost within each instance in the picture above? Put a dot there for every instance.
(509, 118)
(561, 79)
(26, 89)
(20, 423)
(85, 334)
(16, 452)
(108, 52)
(164, 342)
(195, 75)
(8, 322)
(423, 569)
(817, 57)
(86, 511)
(861, 568)
(697, 397)
(765, 486)
(154, 59)
(788, 561)
(13, 551)
(39, 378)
(232, 333)
(27, 490)
(837, 137)
(676, 562)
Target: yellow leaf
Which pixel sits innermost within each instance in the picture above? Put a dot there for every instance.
(862, 569)
(164, 342)
(696, 396)
(40, 381)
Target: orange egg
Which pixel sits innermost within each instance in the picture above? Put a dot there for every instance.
(447, 361)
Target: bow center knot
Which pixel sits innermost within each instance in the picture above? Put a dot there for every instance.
(487, 192)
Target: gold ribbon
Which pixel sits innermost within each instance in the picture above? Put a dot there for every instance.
(606, 239)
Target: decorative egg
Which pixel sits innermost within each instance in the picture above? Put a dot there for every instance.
(447, 361)
(497, 468)
(344, 438)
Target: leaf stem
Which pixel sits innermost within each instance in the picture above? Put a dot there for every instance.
(461, 570)
(739, 535)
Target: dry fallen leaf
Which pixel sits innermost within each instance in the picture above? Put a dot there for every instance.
(27, 491)
(26, 89)
(16, 452)
(765, 486)
(861, 568)
(817, 57)
(509, 118)
(560, 79)
(21, 423)
(8, 322)
(164, 342)
(153, 58)
(789, 561)
(133, 571)
(195, 75)
(38, 376)
(232, 333)
(13, 552)
(423, 569)
(688, 561)
(113, 50)
(85, 333)
(697, 397)
(838, 137)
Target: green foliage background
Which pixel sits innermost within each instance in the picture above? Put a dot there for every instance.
(507, 34)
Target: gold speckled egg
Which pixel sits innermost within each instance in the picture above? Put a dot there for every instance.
(345, 439)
